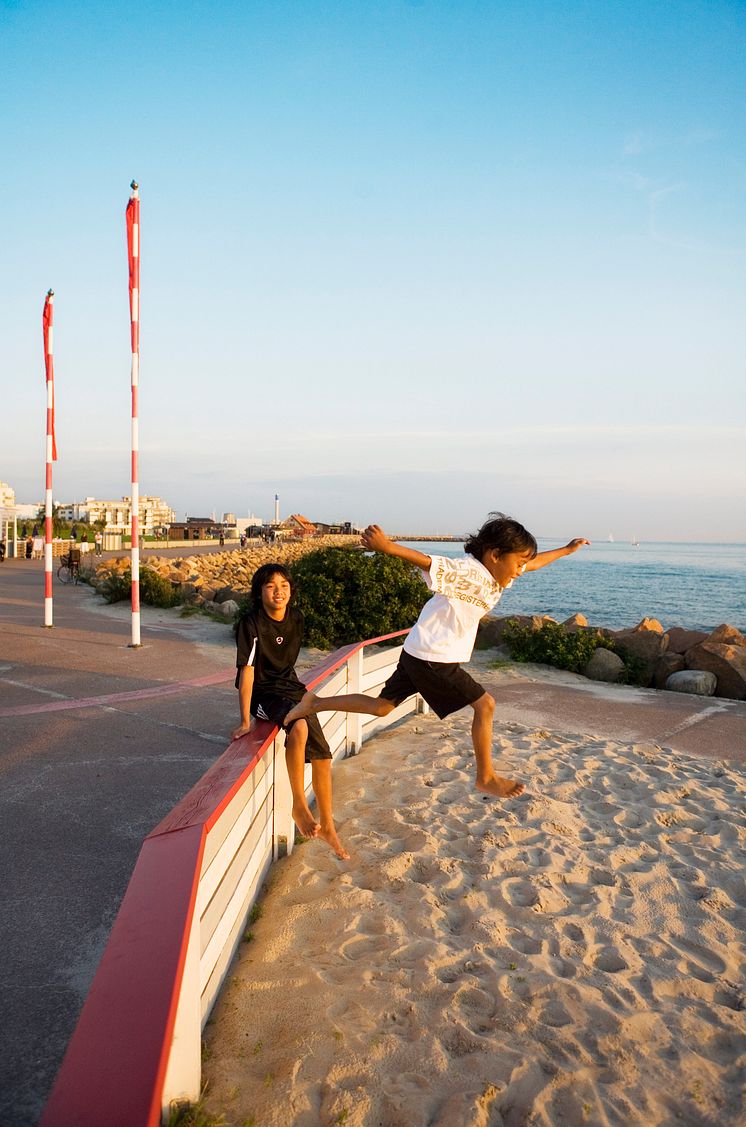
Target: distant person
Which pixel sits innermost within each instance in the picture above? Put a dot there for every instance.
(2, 548)
(98, 542)
(29, 547)
(74, 532)
(243, 540)
(221, 539)
(268, 643)
(430, 664)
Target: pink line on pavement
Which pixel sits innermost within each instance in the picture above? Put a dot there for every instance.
(116, 698)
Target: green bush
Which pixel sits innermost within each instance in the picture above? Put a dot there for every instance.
(553, 645)
(347, 596)
(154, 589)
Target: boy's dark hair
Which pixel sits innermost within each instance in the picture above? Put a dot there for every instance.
(262, 575)
(502, 533)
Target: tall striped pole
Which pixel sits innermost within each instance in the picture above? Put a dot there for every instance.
(133, 254)
(47, 326)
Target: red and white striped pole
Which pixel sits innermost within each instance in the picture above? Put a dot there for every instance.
(47, 326)
(133, 254)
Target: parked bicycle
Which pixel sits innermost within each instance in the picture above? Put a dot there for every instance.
(69, 569)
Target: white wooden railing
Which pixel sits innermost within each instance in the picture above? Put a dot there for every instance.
(136, 1049)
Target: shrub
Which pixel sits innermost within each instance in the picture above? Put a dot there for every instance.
(346, 596)
(154, 589)
(552, 644)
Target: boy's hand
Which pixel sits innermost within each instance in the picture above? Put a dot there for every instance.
(240, 731)
(375, 539)
(579, 542)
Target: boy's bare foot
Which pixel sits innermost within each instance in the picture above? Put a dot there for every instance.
(305, 821)
(330, 837)
(304, 707)
(501, 788)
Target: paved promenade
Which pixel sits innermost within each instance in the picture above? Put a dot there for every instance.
(98, 741)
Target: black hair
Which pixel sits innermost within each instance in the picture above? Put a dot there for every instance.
(503, 534)
(263, 575)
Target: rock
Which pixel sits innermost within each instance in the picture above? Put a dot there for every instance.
(489, 632)
(574, 623)
(646, 642)
(698, 681)
(228, 608)
(667, 664)
(728, 663)
(604, 666)
(681, 640)
(727, 635)
(223, 594)
(650, 624)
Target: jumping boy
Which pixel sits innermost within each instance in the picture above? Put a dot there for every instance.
(268, 642)
(444, 634)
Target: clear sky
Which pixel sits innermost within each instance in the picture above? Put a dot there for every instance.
(404, 261)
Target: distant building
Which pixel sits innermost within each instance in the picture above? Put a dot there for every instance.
(117, 515)
(195, 528)
(7, 496)
(298, 525)
(229, 518)
(345, 528)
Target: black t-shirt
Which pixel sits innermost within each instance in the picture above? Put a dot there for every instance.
(272, 648)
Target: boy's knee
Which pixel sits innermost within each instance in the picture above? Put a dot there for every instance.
(485, 705)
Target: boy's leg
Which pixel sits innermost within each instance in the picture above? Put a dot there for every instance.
(488, 781)
(310, 704)
(295, 758)
(321, 777)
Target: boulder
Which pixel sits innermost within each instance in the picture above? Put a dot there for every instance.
(646, 642)
(667, 664)
(604, 666)
(698, 681)
(727, 636)
(228, 608)
(489, 632)
(574, 623)
(728, 663)
(681, 640)
(223, 594)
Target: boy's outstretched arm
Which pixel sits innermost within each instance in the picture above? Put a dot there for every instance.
(376, 540)
(245, 685)
(544, 558)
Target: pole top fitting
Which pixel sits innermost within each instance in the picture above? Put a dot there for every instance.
(50, 293)
(134, 185)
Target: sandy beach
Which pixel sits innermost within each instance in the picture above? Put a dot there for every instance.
(575, 956)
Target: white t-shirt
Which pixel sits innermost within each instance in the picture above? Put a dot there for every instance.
(447, 627)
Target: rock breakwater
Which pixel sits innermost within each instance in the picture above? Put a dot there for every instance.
(218, 580)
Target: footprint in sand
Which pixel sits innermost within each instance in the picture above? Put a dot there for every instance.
(520, 893)
(610, 961)
(526, 944)
(555, 1015)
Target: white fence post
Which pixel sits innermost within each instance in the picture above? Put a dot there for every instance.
(354, 732)
(183, 1077)
(283, 831)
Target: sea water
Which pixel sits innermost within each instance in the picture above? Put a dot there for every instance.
(617, 584)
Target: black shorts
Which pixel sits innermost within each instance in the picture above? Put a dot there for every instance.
(269, 707)
(443, 684)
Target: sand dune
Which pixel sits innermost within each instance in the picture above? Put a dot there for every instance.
(575, 956)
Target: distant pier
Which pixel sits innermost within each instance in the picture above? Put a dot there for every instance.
(430, 539)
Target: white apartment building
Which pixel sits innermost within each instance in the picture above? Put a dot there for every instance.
(117, 515)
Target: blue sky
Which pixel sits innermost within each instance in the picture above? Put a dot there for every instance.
(402, 261)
